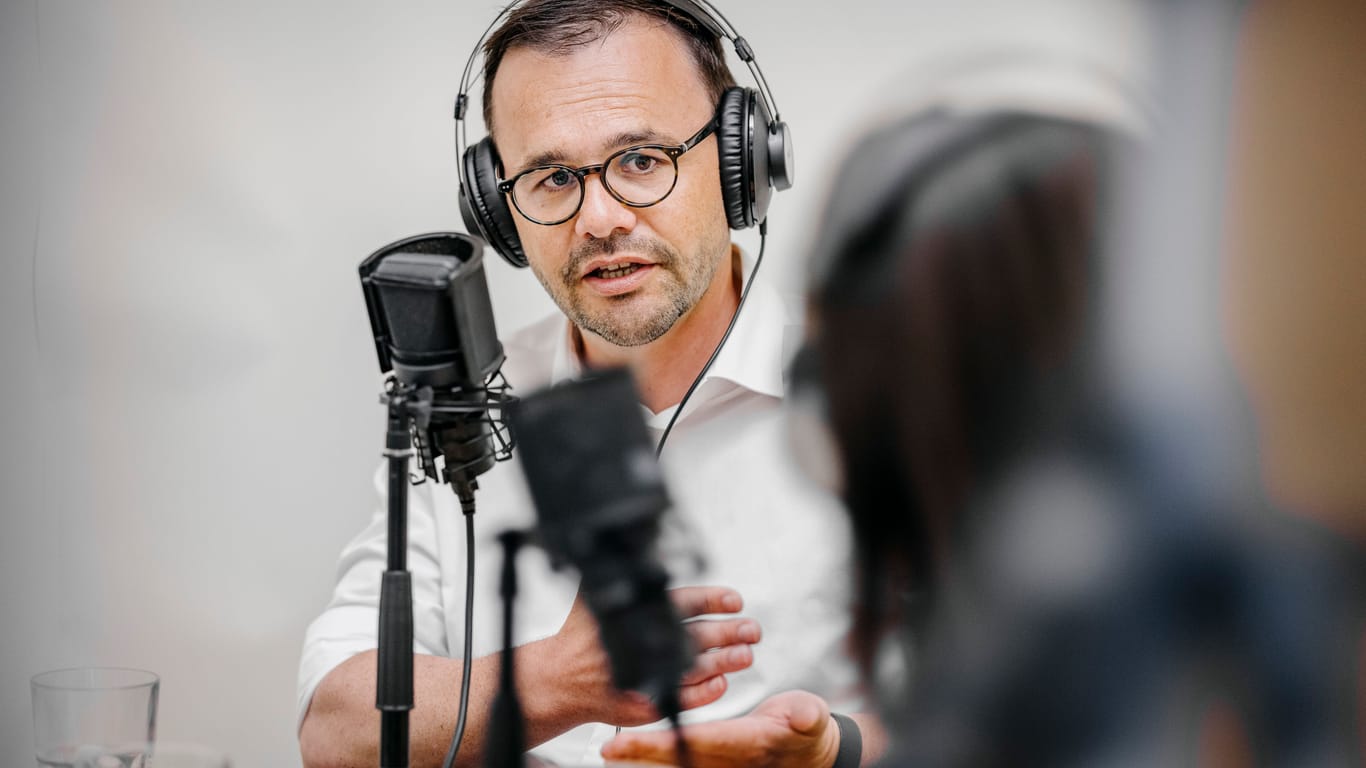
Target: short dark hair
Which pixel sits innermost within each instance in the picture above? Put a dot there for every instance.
(558, 27)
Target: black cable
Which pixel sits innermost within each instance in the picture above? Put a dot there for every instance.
(459, 735)
(753, 273)
(681, 746)
(681, 752)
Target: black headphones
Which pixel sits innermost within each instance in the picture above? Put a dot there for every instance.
(754, 147)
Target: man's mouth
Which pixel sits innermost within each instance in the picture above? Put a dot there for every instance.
(614, 271)
(618, 278)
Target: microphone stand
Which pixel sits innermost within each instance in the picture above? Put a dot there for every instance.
(507, 739)
(434, 336)
(394, 681)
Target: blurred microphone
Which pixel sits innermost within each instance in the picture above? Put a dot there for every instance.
(599, 496)
(433, 326)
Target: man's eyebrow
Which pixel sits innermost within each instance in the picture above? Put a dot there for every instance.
(620, 140)
(628, 138)
(553, 156)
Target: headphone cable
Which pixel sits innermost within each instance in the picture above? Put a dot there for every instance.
(744, 294)
(459, 735)
(681, 744)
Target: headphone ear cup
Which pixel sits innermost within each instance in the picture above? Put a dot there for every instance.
(734, 154)
(483, 207)
(760, 177)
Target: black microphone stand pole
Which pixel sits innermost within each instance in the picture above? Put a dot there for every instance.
(394, 679)
(507, 739)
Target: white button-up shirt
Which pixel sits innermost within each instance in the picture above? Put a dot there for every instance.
(760, 526)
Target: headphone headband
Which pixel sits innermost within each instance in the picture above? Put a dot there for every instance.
(700, 11)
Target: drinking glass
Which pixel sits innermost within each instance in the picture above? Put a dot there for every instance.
(94, 717)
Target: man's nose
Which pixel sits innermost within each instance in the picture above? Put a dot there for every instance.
(602, 214)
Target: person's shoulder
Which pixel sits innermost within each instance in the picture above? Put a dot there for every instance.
(531, 350)
(542, 335)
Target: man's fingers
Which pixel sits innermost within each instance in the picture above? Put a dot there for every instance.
(700, 601)
(720, 662)
(708, 634)
(805, 713)
(700, 694)
(633, 708)
(655, 747)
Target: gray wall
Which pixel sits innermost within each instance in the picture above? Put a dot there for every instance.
(189, 409)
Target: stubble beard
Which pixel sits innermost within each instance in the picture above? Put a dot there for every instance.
(633, 319)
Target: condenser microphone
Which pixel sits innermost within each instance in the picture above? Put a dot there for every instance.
(599, 495)
(432, 320)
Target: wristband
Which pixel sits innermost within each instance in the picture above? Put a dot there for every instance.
(850, 753)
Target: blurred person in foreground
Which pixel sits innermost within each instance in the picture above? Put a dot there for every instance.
(1041, 581)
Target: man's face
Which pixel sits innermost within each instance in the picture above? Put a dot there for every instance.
(625, 274)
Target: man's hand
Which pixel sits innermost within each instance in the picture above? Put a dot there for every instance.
(575, 655)
(793, 729)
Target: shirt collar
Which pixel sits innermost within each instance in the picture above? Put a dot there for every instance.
(753, 356)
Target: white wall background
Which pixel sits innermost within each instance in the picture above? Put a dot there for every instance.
(189, 401)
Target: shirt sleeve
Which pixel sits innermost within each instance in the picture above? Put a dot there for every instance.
(350, 623)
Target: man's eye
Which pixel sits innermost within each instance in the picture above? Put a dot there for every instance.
(638, 163)
(558, 179)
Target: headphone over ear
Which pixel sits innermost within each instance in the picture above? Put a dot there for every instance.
(754, 148)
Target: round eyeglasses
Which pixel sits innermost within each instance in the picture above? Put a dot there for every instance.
(638, 176)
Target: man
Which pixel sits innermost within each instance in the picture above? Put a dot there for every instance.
(653, 288)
